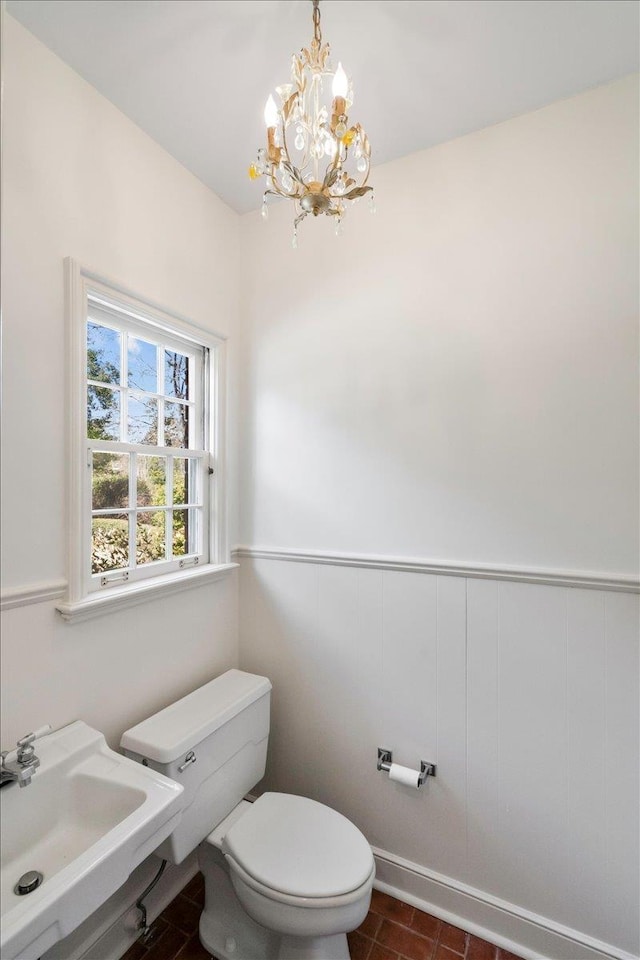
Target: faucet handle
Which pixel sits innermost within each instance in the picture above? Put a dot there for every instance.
(35, 735)
(25, 741)
(24, 748)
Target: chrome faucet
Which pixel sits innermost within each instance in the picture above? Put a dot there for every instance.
(20, 764)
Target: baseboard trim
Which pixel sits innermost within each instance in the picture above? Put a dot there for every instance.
(32, 593)
(556, 578)
(511, 927)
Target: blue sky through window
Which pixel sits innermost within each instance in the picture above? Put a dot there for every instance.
(143, 365)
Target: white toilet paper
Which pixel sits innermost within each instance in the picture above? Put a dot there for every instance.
(404, 775)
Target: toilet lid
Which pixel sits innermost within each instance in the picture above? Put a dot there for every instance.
(299, 847)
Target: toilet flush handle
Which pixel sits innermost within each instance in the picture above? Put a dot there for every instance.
(190, 758)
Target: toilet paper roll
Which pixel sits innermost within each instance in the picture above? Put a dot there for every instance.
(404, 775)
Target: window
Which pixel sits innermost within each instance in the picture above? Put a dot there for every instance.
(146, 495)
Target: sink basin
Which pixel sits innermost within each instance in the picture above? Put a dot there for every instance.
(86, 820)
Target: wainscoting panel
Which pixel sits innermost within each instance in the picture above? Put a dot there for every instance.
(524, 695)
(622, 750)
(586, 753)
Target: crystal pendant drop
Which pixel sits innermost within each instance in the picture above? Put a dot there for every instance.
(361, 164)
(372, 204)
(341, 129)
(330, 147)
(294, 240)
(339, 228)
(299, 141)
(265, 210)
(287, 182)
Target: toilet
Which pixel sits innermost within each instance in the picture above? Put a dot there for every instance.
(286, 878)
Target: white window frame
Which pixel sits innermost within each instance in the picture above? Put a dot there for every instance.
(86, 597)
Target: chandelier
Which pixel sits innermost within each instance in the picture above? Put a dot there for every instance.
(314, 155)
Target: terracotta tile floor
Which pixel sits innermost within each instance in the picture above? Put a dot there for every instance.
(392, 931)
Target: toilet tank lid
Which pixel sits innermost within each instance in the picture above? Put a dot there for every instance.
(182, 725)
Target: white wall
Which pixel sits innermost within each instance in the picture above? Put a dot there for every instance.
(81, 180)
(456, 377)
(456, 380)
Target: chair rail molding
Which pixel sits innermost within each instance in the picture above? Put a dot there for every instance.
(584, 579)
(29, 593)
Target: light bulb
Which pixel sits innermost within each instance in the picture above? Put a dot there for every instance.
(271, 112)
(340, 84)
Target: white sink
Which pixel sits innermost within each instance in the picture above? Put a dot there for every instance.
(86, 820)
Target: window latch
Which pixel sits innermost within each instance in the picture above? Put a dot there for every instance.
(114, 578)
(189, 562)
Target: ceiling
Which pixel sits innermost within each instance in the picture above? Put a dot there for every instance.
(195, 74)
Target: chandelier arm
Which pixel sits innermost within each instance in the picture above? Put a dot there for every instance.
(277, 190)
(285, 147)
(335, 164)
(303, 121)
(364, 182)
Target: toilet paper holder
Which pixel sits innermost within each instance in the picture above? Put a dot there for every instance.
(385, 759)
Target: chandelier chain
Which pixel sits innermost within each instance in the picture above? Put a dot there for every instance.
(317, 32)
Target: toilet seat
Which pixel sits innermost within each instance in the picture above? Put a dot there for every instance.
(320, 903)
(290, 848)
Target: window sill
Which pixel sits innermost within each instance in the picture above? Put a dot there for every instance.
(119, 598)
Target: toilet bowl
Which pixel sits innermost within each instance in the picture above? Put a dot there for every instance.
(300, 869)
(286, 877)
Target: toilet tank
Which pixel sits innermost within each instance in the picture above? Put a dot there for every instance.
(214, 743)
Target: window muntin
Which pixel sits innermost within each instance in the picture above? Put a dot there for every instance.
(147, 424)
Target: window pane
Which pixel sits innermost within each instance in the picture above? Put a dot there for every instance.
(142, 360)
(143, 420)
(103, 354)
(110, 481)
(151, 481)
(103, 413)
(109, 543)
(185, 472)
(176, 375)
(181, 533)
(186, 537)
(150, 536)
(176, 424)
